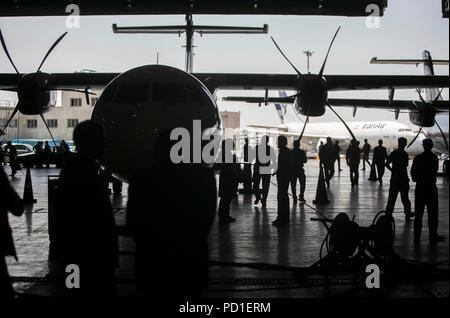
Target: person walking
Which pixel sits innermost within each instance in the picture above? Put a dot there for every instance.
(424, 171)
(366, 152)
(283, 173)
(327, 157)
(380, 157)
(399, 178)
(353, 158)
(298, 171)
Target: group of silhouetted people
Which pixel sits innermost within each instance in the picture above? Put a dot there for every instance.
(171, 233)
(290, 169)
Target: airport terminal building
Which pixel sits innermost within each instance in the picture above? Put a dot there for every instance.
(67, 109)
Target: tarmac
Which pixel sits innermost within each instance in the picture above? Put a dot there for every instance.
(251, 257)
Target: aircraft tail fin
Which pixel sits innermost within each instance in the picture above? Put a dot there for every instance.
(428, 68)
(428, 65)
(281, 108)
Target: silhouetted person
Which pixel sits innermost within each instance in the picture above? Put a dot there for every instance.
(47, 154)
(64, 151)
(298, 172)
(353, 158)
(84, 227)
(380, 157)
(228, 181)
(12, 154)
(39, 154)
(247, 182)
(257, 173)
(170, 212)
(424, 171)
(327, 157)
(399, 178)
(11, 202)
(284, 175)
(366, 152)
(337, 150)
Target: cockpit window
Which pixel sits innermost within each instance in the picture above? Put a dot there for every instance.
(169, 92)
(132, 92)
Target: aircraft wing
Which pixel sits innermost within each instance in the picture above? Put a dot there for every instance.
(248, 81)
(334, 82)
(65, 80)
(441, 106)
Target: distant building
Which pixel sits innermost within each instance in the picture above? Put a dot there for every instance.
(62, 118)
(69, 109)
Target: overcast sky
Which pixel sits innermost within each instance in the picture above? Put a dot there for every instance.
(408, 28)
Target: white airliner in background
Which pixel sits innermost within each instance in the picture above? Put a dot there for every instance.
(388, 131)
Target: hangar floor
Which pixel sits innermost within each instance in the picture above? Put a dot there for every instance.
(253, 239)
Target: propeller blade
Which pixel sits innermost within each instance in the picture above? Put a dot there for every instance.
(86, 94)
(329, 49)
(442, 133)
(415, 138)
(340, 118)
(439, 96)
(6, 52)
(45, 122)
(304, 127)
(51, 49)
(274, 42)
(10, 118)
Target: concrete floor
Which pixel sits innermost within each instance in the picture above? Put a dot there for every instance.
(253, 239)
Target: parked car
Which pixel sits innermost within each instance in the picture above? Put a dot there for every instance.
(21, 150)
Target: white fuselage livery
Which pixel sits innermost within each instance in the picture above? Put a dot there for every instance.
(373, 131)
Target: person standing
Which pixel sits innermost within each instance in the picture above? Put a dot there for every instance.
(39, 154)
(85, 231)
(298, 171)
(424, 171)
(337, 150)
(399, 178)
(366, 152)
(263, 160)
(47, 154)
(170, 211)
(284, 176)
(11, 202)
(353, 158)
(12, 154)
(230, 171)
(247, 182)
(380, 157)
(327, 157)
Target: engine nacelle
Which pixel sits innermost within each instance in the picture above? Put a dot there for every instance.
(33, 95)
(313, 96)
(309, 109)
(422, 119)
